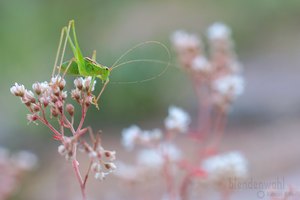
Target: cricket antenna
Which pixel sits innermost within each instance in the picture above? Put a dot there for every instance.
(116, 65)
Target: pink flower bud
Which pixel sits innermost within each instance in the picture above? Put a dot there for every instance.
(18, 90)
(62, 84)
(75, 94)
(78, 82)
(32, 117)
(70, 109)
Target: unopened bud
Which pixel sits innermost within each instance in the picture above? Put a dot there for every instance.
(30, 96)
(62, 84)
(64, 95)
(54, 112)
(70, 109)
(55, 90)
(18, 90)
(75, 94)
(78, 82)
(88, 100)
(36, 108)
(37, 88)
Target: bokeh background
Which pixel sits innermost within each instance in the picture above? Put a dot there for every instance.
(264, 122)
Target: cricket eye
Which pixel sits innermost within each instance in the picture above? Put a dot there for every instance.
(106, 68)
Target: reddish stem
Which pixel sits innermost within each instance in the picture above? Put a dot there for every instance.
(79, 178)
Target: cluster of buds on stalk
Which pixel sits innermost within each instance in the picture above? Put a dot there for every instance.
(217, 82)
(13, 167)
(158, 154)
(49, 100)
(219, 72)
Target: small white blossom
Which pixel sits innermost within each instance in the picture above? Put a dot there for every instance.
(92, 154)
(177, 119)
(109, 155)
(62, 150)
(150, 158)
(225, 166)
(110, 166)
(218, 31)
(201, 64)
(154, 158)
(183, 40)
(18, 90)
(96, 167)
(40, 87)
(170, 150)
(100, 176)
(129, 136)
(150, 136)
(87, 83)
(232, 85)
(56, 79)
(78, 82)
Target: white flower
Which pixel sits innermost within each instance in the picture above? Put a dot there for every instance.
(18, 90)
(218, 31)
(177, 119)
(129, 136)
(225, 166)
(25, 160)
(155, 158)
(232, 85)
(201, 64)
(150, 158)
(40, 87)
(109, 155)
(87, 83)
(62, 150)
(55, 80)
(149, 136)
(184, 40)
(170, 150)
(100, 175)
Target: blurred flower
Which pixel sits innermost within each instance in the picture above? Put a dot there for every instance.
(155, 158)
(177, 119)
(129, 135)
(183, 40)
(201, 64)
(222, 167)
(18, 90)
(231, 86)
(218, 31)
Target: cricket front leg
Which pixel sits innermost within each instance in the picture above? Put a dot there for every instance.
(99, 95)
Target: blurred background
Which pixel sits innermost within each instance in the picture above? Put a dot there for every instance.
(264, 122)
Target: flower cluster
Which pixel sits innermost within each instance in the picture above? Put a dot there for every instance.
(159, 151)
(217, 82)
(12, 169)
(51, 97)
(220, 72)
(223, 167)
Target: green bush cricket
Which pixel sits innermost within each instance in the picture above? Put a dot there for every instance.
(85, 66)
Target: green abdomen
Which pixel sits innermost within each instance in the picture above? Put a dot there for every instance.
(73, 68)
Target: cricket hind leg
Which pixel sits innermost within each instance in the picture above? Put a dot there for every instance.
(65, 33)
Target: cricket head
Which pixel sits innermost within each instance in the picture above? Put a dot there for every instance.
(105, 74)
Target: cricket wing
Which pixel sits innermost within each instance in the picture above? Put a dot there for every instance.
(72, 68)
